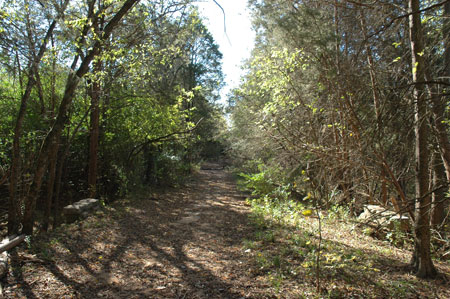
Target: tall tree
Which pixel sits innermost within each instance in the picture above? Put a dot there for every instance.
(94, 128)
(421, 259)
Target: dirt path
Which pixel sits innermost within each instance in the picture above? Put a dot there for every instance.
(185, 244)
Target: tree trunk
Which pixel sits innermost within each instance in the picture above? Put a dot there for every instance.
(60, 172)
(50, 186)
(94, 136)
(421, 259)
(439, 104)
(57, 208)
(446, 39)
(439, 193)
(440, 130)
(11, 243)
(370, 62)
(50, 141)
(150, 154)
(14, 209)
(94, 128)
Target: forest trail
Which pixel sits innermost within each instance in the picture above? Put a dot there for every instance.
(181, 243)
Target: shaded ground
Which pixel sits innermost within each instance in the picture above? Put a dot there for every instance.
(184, 243)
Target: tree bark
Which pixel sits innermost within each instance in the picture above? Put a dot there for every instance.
(438, 103)
(440, 129)
(57, 208)
(371, 64)
(446, 39)
(93, 140)
(94, 128)
(50, 186)
(421, 259)
(439, 193)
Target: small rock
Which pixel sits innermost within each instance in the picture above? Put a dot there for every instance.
(79, 209)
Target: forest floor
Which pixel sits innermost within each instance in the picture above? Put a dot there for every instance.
(195, 241)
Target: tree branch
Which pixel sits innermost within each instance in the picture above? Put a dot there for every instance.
(138, 148)
(384, 27)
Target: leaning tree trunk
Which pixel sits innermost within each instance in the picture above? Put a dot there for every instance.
(421, 259)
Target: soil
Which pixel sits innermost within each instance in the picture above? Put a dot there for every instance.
(180, 243)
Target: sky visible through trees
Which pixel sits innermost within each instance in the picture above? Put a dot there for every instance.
(236, 43)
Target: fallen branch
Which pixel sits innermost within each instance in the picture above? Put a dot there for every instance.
(11, 242)
(7, 244)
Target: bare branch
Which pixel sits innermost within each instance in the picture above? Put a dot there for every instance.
(224, 20)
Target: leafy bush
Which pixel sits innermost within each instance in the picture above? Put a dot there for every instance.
(259, 183)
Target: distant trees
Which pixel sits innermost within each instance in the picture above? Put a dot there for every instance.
(329, 101)
(104, 85)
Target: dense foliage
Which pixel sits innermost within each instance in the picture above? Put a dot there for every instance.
(98, 97)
